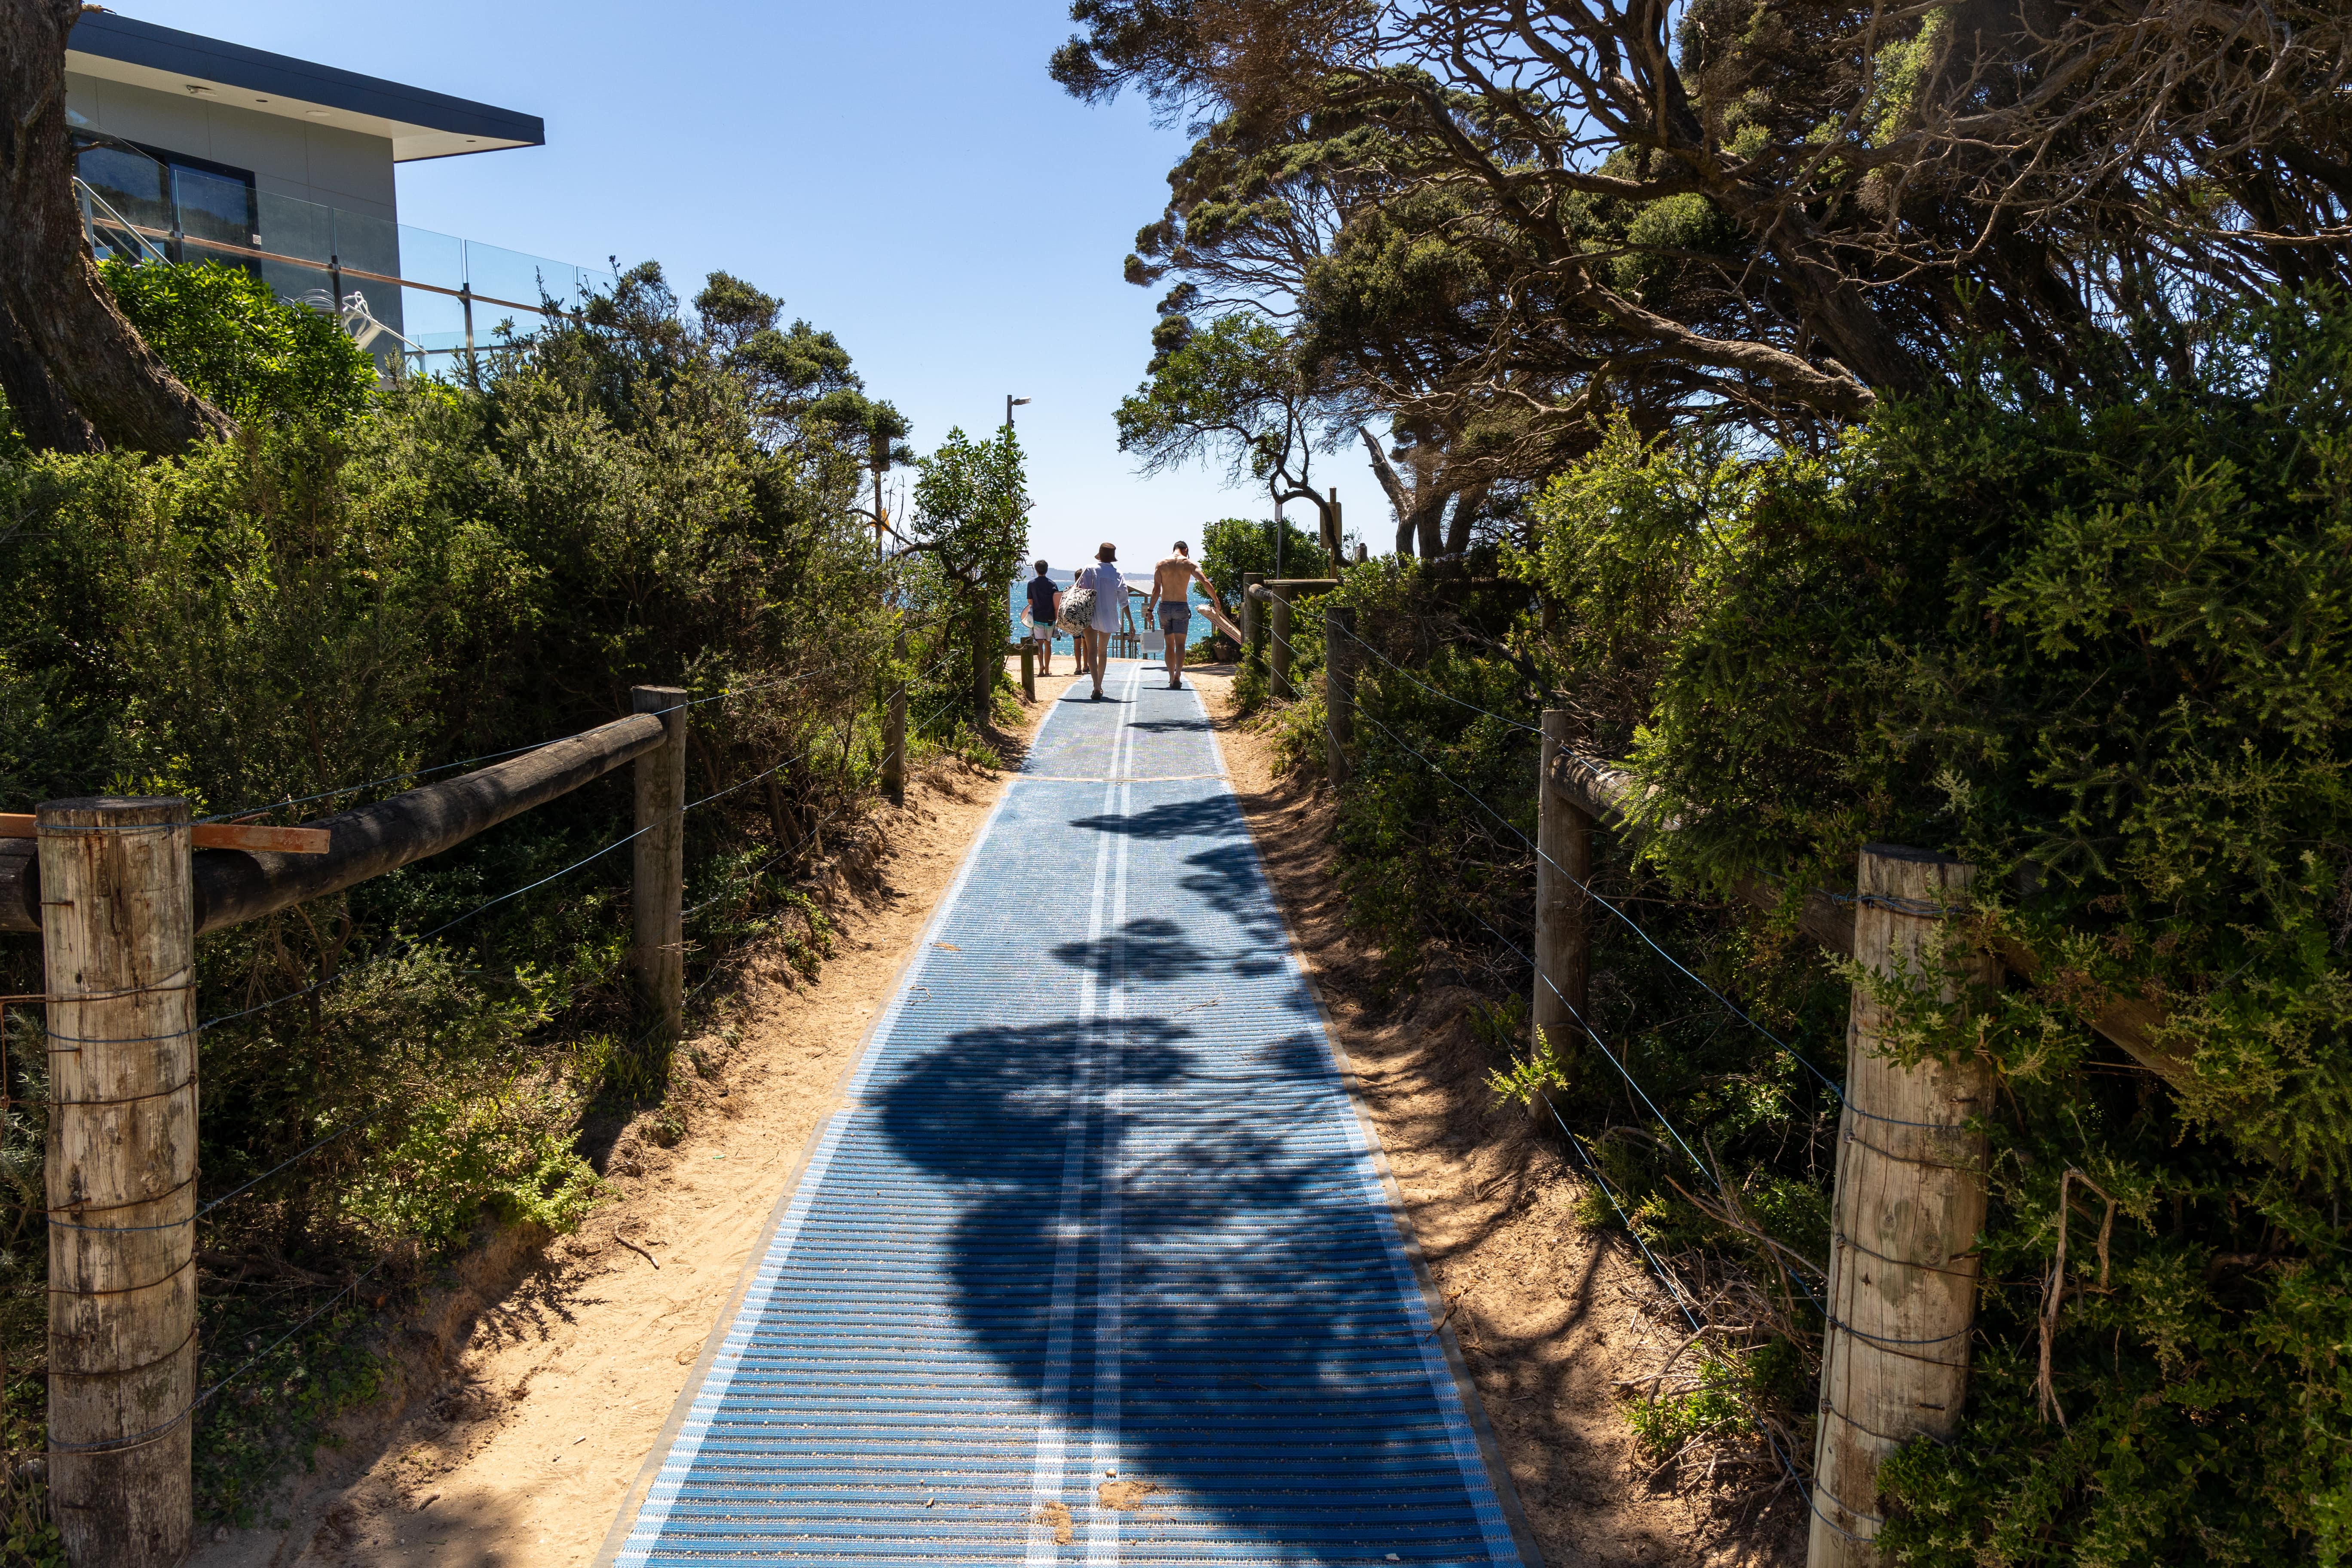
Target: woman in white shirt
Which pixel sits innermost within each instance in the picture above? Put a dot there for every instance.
(1110, 597)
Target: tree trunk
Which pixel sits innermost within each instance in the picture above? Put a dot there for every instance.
(1465, 512)
(1428, 521)
(77, 376)
(987, 660)
(1419, 502)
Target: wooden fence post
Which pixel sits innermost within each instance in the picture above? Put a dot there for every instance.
(894, 734)
(1564, 842)
(1252, 617)
(1281, 685)
(1339, 689)
(1903, 1221)
(1029, 669)
(118, 931)
(658, 893)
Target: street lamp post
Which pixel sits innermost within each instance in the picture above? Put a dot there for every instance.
(1011, 403)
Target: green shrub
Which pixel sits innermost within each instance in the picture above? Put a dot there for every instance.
(2096, 644)
(365, 585)
(237, 346)
(1234, 546)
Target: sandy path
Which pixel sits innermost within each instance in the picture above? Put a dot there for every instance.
(523, 1458)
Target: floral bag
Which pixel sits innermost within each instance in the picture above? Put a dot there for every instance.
(1077, 611)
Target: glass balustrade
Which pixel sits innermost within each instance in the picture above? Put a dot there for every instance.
(415, 300)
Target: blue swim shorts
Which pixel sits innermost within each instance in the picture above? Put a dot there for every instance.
(1175, 616)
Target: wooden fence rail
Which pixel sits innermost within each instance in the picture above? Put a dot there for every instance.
(231, 887)
(2131, 1022)
(119, 889)
(1279, 595)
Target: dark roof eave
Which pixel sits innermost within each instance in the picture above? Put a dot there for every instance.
(133, 42)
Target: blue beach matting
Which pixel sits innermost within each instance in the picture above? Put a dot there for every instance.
(1097, 1261)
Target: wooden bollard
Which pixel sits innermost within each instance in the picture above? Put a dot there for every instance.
(1563, 952)
(1903, 1221)
(118, 932)
(1338, 690)
(1252, 617)
(1029, 669)
(657, 892)
(1280, 617)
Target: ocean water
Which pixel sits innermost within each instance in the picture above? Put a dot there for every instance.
(1062, 580)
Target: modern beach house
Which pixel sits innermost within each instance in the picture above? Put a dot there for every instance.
(193, 149)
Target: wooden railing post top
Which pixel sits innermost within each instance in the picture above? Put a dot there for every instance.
(666, 703)
(1905, 852)
(113, 811)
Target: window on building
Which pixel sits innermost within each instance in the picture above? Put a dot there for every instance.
(171, 193)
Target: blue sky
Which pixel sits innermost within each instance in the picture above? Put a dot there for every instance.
(905, 175)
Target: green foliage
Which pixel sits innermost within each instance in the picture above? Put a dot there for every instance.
(1522, 1078)
(796, 379)
(1713, 1401)
(2099, 652)
(435, 573)
(452, 1156)
(1233, 389)
(237, 346)
(277, 1414)
(2098, 647)
(1234, 546)
(29, 1536)
(972, 531)
(972, 508)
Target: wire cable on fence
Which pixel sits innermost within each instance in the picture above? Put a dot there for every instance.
(1828, 1315)
(752, 880)
(1357, 639)
(1836, 1089)
(164, 1428)
(1582, 887)
(414, 943)
(426, 936)
(1584, 1023)
(1676, 1294)
(496, 757)
(245, 1188)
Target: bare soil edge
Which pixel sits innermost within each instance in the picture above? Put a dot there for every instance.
(518, 1412)
(1555, 1321)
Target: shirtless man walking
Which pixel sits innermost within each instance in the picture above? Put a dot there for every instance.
(1171, 588)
